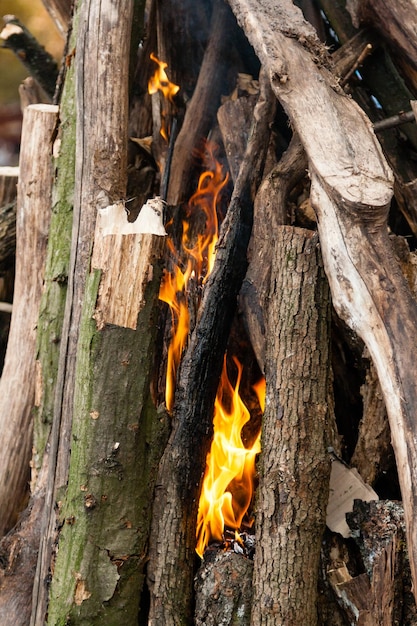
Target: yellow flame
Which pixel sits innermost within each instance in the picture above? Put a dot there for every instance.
(228, 481)
(200, 253)
(160, 81)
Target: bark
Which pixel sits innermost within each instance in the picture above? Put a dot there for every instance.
(396, 21)
(34, 204)
(204, 103)
(381, 594)
(271, 211)
(103, 379)
(294, 466)
(170, 569)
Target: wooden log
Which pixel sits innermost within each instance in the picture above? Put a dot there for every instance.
(270, 212)
(294, 464)
(34, 209)
(103, 386)
(351, 195)
(380, 595)
(172, 554)
(203, 105)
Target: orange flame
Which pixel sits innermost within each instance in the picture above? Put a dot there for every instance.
(160, 81)
(228, 481)
(200, 253)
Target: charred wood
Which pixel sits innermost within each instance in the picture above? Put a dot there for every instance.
(172, 556)
(39, 63)
(201, 110)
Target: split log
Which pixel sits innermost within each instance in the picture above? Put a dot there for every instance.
(103, 414)
(173, 536)
(351, 194)
(294, 464)
(34, 209)
(202, 107)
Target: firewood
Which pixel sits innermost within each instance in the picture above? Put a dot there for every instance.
(204, 103)
(170, 569)
(294, 465)
(34, 205)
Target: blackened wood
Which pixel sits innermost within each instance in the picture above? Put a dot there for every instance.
(380, 595)
(204, 103)
(173, 537)
(294, 464)
(17, 384)
(39, 63)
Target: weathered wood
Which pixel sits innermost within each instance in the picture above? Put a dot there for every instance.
(235, 122)
(294, 463)
(34, 209)
(351, 194)
(204, 103)
(396, 21)
(380, 595)
(173, 540)
(8, 190)
(270, 211)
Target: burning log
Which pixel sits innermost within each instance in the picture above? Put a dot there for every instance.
(202, 108)
(170, 569)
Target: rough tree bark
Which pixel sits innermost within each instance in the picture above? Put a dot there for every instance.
(33, 218)
(295, 464)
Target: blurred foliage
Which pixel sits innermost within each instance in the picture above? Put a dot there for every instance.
(35, 17)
